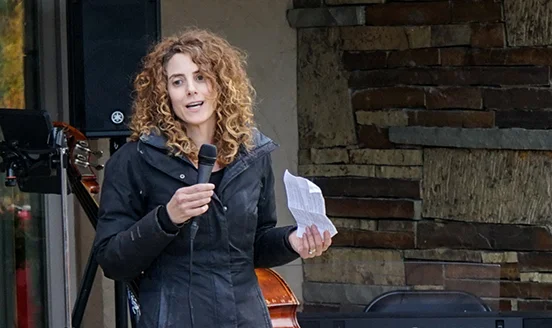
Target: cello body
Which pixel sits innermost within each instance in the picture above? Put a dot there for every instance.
(281, 301)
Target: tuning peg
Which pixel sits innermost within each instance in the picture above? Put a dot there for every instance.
(95, 166)
(83, 145)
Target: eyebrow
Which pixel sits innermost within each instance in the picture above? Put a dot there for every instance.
(180, 74)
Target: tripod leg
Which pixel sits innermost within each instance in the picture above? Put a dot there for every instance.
(84, 291)
(121, 305)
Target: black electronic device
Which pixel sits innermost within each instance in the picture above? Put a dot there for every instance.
(106, 41)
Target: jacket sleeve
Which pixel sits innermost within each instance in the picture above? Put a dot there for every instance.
(127, 239)
(272, 247)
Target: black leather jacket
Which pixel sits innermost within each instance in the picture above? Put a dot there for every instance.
(235, 235)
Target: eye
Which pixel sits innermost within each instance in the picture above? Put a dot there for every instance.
(177, 82)
(200, 78)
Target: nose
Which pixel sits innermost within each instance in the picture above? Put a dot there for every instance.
(192, 90)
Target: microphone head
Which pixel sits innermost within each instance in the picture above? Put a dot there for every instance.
(207, 154)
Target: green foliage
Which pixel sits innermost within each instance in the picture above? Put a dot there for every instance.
(12, 84)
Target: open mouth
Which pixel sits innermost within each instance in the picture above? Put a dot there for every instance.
(194, 104)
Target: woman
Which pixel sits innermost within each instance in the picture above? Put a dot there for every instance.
(193, 90)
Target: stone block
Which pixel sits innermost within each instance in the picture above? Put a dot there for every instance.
(479, 271)
(472, 138)
(353, 60)
(370, 136)
(468, 235)
(364, 38)
(489, 57)
(499, 257)
(337, 170)
(529, 262)
(524, 119)
(416, 13)
(354, 224)
(399, 172)
(413, 58)
(464, 119)
(443, 254)
(509, 187)
(536, 277)
(304, 157)
(386, 156)
(418, 36)
(356, 266)
(476, 11)
(423, 273)
(367, 187)
(450, 35)
(455, 56)
(325, 17)
(307, 3)
(382, 118)
(343, 293)
(509, 271)
(325, 117)
(373, 239)
(351, 2)
(346, 223)
(464, 98)
(370, 208)
(428, 287)
(481, 288)
(488, 36)
(396, 225)
(511, 289)
(524, 27)
(456, 76)
(394, 97)
(329, 155)
(534, 305)
(517, 98)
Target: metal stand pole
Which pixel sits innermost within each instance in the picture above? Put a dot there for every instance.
(66, 236)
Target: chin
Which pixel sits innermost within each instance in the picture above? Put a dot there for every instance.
(198, 119)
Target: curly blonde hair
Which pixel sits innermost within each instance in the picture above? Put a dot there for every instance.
(224, 67)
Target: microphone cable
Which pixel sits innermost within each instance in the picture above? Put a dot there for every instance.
(206, 160)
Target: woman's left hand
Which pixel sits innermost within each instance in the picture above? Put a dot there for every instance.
(312, 243)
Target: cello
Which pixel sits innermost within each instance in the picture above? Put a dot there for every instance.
(279, 298)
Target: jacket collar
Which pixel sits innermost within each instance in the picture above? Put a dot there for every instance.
(262, 145)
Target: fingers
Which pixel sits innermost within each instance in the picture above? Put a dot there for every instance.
(318, 242)
(195, 189)
(311, 242)
(314, 243)
(196, 211)
(189, 198)
(188, 202)
(327, 240)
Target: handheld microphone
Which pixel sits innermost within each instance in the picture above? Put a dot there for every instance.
(206, 158)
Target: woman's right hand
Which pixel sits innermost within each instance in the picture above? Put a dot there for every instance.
(188, 202)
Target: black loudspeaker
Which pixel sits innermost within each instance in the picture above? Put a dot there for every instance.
(107, 40)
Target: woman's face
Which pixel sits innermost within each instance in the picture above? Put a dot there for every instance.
(191, 94)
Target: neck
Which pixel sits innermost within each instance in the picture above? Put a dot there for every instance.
(201, 134)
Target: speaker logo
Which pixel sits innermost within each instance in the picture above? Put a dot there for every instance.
(117, 117)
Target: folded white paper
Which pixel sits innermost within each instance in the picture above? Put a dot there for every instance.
(306, 203)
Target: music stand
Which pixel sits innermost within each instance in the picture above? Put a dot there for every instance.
(34, 156)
